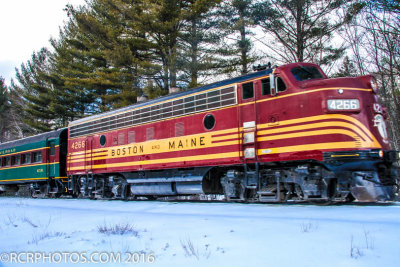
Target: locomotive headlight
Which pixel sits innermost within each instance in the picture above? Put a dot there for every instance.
(343, 104)
(374, 84)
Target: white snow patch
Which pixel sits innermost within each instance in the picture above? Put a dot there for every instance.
(199, 234)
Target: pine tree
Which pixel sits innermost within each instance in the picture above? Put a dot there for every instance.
(36, 92)
(4, 109)
(238, 19)
(302, 29)
(200, 45)
(347, 69)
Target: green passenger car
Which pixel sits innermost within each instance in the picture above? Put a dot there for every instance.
(38, 161)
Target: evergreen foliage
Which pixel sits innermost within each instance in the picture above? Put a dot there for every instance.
(36, 91)
(238, 19)
(347, 69)
(4, 109)
(112, 51)
(303, 29)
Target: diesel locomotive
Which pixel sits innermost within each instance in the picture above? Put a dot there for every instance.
(280, 134)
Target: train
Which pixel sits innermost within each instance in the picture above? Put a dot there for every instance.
(282, 134)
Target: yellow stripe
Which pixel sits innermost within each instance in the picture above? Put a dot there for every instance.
(308, 133)
(315, 126)
(161, 161)
(327, 117)
(162, 145)
(25, 179)
(299, 148)
(350, 155)
(88, 155)
(147, 149)
(22, 152)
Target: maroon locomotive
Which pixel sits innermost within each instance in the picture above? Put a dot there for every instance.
(283, 134)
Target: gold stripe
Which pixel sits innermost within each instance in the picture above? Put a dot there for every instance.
(327, 117)
(23, 179)
(147, 146)
(88, 155)
(22, 152)
(211, 135)
(308, 133)
(338, 156)
(160, 161)
(308, 147)
(314, 126)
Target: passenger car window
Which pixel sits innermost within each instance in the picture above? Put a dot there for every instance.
(248, 91)
(6, 161)
(37, 156)
(25, 158)
(52, 149)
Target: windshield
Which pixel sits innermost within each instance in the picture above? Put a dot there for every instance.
(306, 73)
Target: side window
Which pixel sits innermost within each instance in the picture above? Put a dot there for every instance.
(17, 159)
(280, 85)
(248, 90)
(266, 87)
(37, 156)
(13, 163)
(26, 158)
(6, 161)
(52, 148)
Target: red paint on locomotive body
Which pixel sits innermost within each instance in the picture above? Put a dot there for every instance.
(300, 121)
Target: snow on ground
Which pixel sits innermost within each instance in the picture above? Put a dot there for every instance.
(153, 233)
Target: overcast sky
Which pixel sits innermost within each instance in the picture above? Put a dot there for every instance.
(26, 26)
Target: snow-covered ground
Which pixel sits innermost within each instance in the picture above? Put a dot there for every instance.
(67, 231)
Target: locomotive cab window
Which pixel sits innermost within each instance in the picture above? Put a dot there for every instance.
(266, 87)
(248, 91)
(280, 85)
(306, 73)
